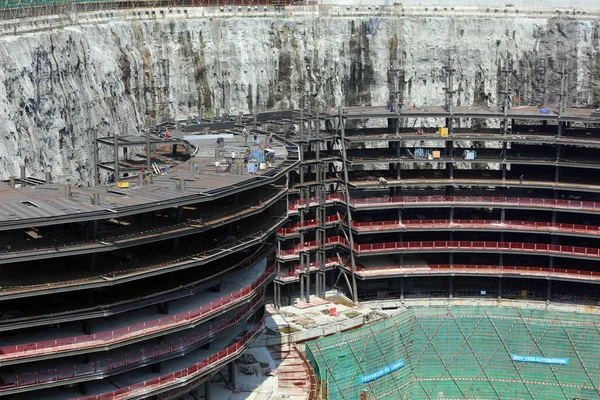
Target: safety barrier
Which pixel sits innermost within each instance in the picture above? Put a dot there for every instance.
(382, 271)
(292, 229)
(190, 372)
(486, 201)
(129, 359)
(477, 269)
(478, 224)
(134, 331)
(454, 224)
(447, 245)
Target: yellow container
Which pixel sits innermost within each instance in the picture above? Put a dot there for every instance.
(524, 294)
(123, 184)
(443, 132)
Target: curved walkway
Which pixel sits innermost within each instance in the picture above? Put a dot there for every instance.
(449, 246)
(455, 201)
(124, 362)
(142, 331)
(111, 243)
(191, 375)
(450, 269)
(456, 224)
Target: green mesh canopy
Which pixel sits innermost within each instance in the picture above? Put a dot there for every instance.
(463, 352)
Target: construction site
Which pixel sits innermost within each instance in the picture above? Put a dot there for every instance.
(355, 250)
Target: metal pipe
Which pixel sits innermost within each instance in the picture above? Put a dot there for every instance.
(148, 152)
(116, 153)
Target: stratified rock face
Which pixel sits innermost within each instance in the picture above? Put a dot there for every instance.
(60, 86)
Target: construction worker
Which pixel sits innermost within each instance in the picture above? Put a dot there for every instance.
(521, 179)
(217, 166)
(233, 156)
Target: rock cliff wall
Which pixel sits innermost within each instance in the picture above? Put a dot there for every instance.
(61, 85)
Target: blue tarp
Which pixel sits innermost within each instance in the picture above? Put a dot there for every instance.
(258, 155)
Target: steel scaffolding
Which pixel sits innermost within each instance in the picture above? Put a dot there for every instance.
(462, 352)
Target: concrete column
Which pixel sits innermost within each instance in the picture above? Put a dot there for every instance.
(450, 287)
(12, 182)
(549, 294)
(232, 373)
(23, 173)
(86, 327)
(401, 288)
(499, 288)
(301, 286)
(207, 390)
(163, 307)
(83, 387)
(48, 178)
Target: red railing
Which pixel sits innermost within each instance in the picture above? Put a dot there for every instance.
(478, 224)
(190, 372)
(450, 268)
(477, 269)
(133, 331)
(456, 200)
(291, 229)
(449, 245)
(455, 224)
(130, 358)
(472, 245)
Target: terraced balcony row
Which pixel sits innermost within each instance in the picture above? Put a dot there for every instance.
(456, 224)
(127, 361)
(377, 203)
(528, 138)
(115, 304)
(387, 271)
(127, 275)
(530, 183)
(111, 243)
(560, 162)
(448, 246)
(142, 331)
(171, 383)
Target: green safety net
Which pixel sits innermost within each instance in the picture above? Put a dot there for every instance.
(463, 352)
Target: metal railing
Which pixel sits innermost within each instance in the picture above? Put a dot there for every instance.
(134, 331)
(549, 249)
(450, 224)
(191, 372)
(131, 358)
(382, 271)
(486, 201)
